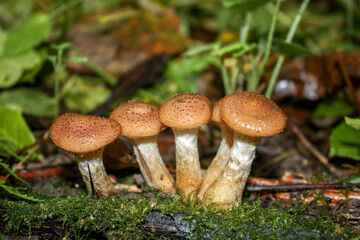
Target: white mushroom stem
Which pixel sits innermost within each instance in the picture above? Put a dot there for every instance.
(188, 171)
(94, 175)
(151, 164)
(220, 160)
(228, 188)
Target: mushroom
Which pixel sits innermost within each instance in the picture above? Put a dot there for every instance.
(185, 113)
(141, 124)
(252, 116)
(85, 137)
(222, 155)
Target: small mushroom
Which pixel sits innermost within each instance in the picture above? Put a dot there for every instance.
(85, 137)
(222, 155)
(252, 116)
(185, 113)
(141, 124)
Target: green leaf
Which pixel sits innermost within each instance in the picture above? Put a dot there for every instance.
(244, 5)
(333, 108)
(10, 73)
(185, 72)
(84, 97)
(238, 46)
(13, 67)
(3, 37)
(354, 179)
(290, 49)
(7, 149)
(345, 142)
(78, 59)
(247, 48)
(353, 122)
(30, 101)
(201, 49)
(14, 129)
(62, 46)
(28, 35)
(26, 60)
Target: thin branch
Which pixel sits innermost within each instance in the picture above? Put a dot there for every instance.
(318, 155)
(31, 152)
(298, 187)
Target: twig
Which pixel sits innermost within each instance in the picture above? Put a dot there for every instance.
(298, 187)
(347, 80)
(318, 155)
(36, 147)
(330, 197)
(22, 150)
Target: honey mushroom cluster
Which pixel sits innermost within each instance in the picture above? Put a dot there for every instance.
(243, 117)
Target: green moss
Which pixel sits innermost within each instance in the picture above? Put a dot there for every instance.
(121, 218)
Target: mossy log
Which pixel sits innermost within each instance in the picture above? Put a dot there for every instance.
(180, 225)
(161, 224)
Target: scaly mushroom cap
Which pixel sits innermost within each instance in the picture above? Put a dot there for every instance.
(216, 116)
(82, 134)
(252, 114)
(186, 111)
(138, 119)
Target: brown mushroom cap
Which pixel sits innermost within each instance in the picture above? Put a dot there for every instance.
(186, 111)
(138, 119)
(82, 134)
(252, 114)
(216, 116)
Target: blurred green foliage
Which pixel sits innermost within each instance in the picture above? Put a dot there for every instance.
(345, 142)
(333, 108)
(353, 122)
(345, 138)
(30, 101)
(18, 59)
(14, 131)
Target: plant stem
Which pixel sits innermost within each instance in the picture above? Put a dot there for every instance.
(244, 31)
(57, 66)
(288, 39)
(234, 78)
(64, 8)
(226, 80)
(350, 15)
(270, 36)
(231, 82)
(252, 85)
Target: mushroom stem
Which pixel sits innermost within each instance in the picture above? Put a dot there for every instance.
(220, 160)
(94, 175)
(228, 188)
(188, 171)
(84, 170)
(151, 164)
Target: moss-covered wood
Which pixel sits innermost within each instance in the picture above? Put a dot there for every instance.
(120, 218)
